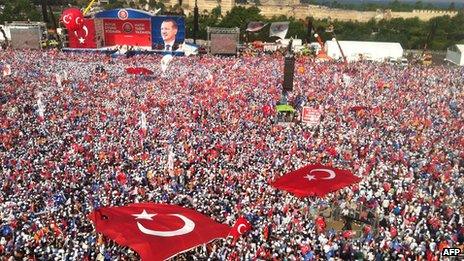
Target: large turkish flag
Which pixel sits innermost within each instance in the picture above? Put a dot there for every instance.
(84, 37)
(315, 180)
(157, 231)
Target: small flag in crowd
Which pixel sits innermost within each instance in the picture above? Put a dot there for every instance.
(315, 180)
(157, 231)
(241, 227)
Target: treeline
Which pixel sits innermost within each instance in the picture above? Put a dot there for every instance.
(441, 32)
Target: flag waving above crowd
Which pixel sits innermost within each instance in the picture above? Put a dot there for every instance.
(315, 180)
(255, 26)
(279, 29)
(157, 231)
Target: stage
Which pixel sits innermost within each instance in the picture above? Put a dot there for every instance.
(128, 32)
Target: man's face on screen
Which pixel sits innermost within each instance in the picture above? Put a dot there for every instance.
(168, 31)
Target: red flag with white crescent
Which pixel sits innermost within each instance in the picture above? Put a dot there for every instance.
(83, 37)
(315, 180)
(157, 231)
(241, 227)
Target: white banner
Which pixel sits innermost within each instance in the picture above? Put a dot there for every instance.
(143, 121)
(40, 107)
(311, 116)
(190, 49)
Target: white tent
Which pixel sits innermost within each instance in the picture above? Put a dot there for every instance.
(354, 50)
(455, 54)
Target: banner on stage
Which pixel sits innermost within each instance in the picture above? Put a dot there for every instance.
(133, 32)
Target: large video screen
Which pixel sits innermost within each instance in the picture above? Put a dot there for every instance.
(168, 32)
(223, 43)
(25, 37)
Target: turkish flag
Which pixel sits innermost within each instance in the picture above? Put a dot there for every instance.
(72, 18)
(138, 70)
(157, 231)
(315, 180)
(84, 37)
(241, 227)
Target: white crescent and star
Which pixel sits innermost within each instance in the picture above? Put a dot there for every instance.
(79, 20)
(82, 39)
(240, 227)
(67, 19)
(331, 173)
(188, 227)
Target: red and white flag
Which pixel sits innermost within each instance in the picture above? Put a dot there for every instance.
(241, 227)
(84, 37)
(157, 231)
(315, 180)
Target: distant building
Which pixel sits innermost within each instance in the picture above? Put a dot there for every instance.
(293, 8)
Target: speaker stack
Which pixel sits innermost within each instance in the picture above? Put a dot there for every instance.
(289, 69)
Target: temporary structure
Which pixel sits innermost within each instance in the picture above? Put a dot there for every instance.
(455, 54)
(356, 50)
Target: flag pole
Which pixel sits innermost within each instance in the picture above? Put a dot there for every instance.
(88, 7)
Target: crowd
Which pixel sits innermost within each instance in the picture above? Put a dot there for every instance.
(210, 146)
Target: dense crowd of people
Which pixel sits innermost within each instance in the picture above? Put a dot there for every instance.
(71, 141)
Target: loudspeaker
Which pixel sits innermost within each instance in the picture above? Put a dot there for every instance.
(310, 30)
(289, 69)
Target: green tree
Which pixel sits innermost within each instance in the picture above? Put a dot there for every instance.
(113, 4)
(240, 16)
(19, 10)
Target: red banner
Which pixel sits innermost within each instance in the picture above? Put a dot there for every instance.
(133, 32)
(84, 37)
(138, 70)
